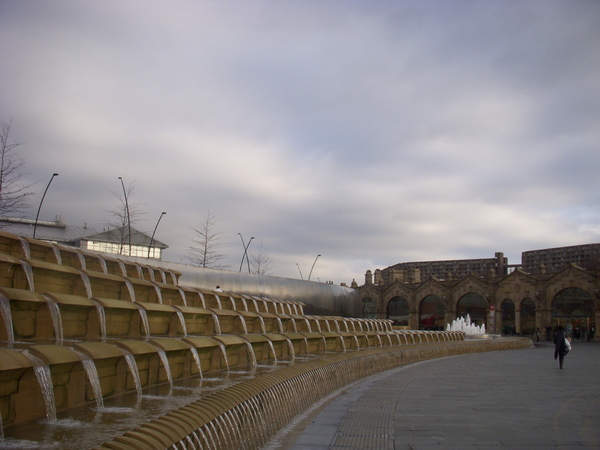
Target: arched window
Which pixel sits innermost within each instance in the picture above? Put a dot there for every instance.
(528, 316)
(369, 308)
(398, 311)
(508, 317)
(574, 309)
(475, 306)
(431, 313)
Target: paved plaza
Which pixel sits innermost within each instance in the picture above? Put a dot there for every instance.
(517, 399)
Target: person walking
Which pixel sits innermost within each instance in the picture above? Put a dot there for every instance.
(537, 334)
(560, 347)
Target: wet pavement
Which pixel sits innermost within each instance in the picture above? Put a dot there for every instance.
(517, 399)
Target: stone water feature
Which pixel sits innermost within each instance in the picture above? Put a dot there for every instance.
(101, 352)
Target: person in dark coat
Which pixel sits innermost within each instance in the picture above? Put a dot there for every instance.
(559, 346)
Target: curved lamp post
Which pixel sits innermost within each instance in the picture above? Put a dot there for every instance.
(301, 277)
(245, 255)
(313, 266)
(152, 238)
(128, 217)
(42, 201)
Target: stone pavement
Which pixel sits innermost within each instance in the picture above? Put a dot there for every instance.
(517, 399)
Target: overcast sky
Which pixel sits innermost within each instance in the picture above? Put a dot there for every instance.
(370, 132)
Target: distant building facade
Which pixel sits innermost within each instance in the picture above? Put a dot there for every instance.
(414, 272)
(563, 288)
(115, 241)
(586, 256)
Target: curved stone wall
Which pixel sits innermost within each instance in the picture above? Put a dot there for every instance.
(80, 330)
(248, 414)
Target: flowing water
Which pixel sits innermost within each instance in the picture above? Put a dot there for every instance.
(7, 317)
(44, 377)
(86, 282)
(56, 318)
(92, 373)
(88, 426)
(145, 323)
(182, 321)
(29, 274)
(102, 319)
(217, 323)
(25, 245)
(166, 365)
(130, 359)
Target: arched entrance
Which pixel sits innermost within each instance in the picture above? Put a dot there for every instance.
(475, 306)
(431, 313)
(369, 308)
(508, 317)
(398, 311)
(527, 316)
(574, 309)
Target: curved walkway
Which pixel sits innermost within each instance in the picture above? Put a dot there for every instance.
(517, 399)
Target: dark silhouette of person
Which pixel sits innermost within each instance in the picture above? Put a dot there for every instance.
(560, 349)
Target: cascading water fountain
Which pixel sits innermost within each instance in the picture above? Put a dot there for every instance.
(263, 329)
(193, 353)
(130, 289)
(123, 268)
(130, 359)
(56, 318)
(7, 318)
(218, 299)
(181, 321)
(158, 294)
(243, 322)
(86, 283)
(181, 292)
(144, 319)
(44, 377)
(196, 357)
(216, 323)
(26, 247)
(28, 274)
(57, 255)
(166, 365)
(102, 319)
(272, 348)
(82, 262)
(224, 352)
(92, 373)
(279, 324)
(202, 300)
(465, 325)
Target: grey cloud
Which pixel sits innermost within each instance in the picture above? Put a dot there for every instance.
(371, 133)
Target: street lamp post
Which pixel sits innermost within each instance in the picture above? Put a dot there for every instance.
(245, 255)
(152, 238)
(128, 216)
(313, 266)
(42, 201)
(301, 277)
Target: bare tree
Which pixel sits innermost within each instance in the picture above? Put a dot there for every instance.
(205, 251)
(261, 262)
(13, 193)
(122, 218)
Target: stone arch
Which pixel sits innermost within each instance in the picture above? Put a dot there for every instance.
(573, 308)
(569, 278)
(432, 311)
(475, 305)
(508, 317)
(528, 314)
(369, 308)
(398, 310)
